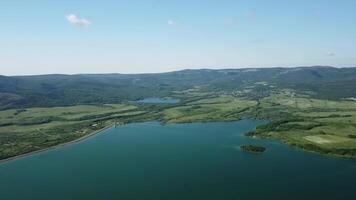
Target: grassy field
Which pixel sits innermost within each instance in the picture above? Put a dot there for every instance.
(223, 108)
(327, 127)
(26, 130)
(323, 126)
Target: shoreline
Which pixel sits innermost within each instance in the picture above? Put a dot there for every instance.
(54, 147)
(298, 148)
(335, 156)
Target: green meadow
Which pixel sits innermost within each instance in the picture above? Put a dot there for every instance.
(26, 130)
(322, 126)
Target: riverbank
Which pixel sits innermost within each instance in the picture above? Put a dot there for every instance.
(56, 146)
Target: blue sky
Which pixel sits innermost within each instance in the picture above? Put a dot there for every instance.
(107, 36)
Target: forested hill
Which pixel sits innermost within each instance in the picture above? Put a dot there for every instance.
(61, 90)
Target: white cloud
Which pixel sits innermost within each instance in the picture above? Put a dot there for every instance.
(250, 13)
(331, 54)
(73, 19)
(172, 23)
(317, 12)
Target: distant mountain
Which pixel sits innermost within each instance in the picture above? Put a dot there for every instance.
(61, 90)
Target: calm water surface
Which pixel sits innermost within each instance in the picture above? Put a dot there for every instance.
(176, 162)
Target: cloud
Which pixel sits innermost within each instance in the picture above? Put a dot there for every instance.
(250, 13)
(73, 19)
(172, 23)
(317, 12)
(331, 54)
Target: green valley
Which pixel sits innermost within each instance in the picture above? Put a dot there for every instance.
(300, 112)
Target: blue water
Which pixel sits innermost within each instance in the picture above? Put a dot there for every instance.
(158, 101)
(177, 162)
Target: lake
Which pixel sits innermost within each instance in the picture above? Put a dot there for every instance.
(158, 101)
(147, 161)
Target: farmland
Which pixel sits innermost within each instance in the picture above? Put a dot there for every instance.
(321, 126)
(308, 108)
(26, 130)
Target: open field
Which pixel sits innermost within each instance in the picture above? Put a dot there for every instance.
(326, 139)
(318, 125)
(323, 126)
(26, 130)
(224, 108)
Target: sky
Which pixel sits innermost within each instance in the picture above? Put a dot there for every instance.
(114, 36)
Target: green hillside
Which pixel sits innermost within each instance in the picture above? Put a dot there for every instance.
(310, 108)
(64, 90)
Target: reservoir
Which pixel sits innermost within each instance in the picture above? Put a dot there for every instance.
(149, 161)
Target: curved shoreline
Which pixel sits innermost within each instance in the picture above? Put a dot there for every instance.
(111, 125)
(54, 147)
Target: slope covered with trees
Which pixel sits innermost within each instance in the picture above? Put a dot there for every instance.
(63, 90)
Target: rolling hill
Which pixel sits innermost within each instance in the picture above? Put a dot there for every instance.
(63, 90)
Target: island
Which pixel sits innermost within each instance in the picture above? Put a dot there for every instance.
(253, 148)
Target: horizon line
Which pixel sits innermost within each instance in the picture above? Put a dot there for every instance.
(178, 70)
